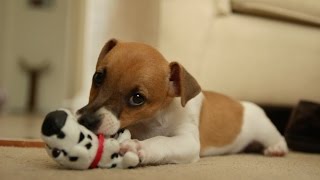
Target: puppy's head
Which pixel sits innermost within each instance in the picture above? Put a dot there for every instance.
(132, 82)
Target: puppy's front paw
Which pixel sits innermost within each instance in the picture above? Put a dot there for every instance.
(134, 146)
(131, 145)
(141, 154)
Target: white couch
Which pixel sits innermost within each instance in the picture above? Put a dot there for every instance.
(247, 48)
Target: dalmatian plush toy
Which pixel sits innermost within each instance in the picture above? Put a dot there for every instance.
(74, 146)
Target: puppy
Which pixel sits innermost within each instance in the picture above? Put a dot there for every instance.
(163, 106)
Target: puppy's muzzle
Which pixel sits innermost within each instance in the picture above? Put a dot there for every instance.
(90, 121)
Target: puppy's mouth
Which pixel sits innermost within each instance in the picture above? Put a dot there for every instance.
(100, 122)
(90, 121)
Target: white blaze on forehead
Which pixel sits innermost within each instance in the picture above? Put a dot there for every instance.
(109, 122)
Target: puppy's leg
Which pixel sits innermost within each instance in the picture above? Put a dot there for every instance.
(264, 131)
(160, 149)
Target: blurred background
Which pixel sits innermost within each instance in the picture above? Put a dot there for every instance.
(265, 51)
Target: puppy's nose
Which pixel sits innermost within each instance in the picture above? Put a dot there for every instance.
(53, 122)
(90, 121)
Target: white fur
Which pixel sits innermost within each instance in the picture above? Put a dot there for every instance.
(173, 135)
(110, 124)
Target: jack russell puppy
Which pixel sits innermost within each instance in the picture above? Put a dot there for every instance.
(171, 118)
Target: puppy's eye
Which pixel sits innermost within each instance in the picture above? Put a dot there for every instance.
(136, 99)
(98, 78)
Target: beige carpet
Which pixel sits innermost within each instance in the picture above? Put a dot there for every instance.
(33, 163)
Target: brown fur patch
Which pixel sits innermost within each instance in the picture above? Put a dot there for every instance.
(137, 67)
(131, 67)
(220, 121)
(184, 84)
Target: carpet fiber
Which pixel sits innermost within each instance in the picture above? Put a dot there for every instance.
(34, 163)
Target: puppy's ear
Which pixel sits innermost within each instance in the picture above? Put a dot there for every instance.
(182, 84)
(107, 47)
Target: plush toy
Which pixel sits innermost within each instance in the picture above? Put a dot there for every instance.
(74, 146)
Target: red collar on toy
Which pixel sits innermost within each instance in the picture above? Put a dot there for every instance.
(99, 152)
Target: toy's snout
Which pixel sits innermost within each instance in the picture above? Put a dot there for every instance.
(53, 123)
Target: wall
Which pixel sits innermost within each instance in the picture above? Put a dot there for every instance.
(69, 35)
(123, 19)
(36, 35)
(2, 12)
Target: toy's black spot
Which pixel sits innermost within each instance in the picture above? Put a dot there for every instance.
(53, 122)
(64, 152)
(55, 152)
(130, 167)
(88, 146)
(73, 158)
(81, 137)
(114, 155)
(89, 137)
(113, 165)
(61, 135)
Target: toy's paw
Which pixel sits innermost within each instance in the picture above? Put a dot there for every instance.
(132, 145)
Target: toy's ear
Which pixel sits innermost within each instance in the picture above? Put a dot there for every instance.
(124, 135)
(182, 84)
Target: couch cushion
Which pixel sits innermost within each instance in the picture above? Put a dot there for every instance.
(302, 10)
